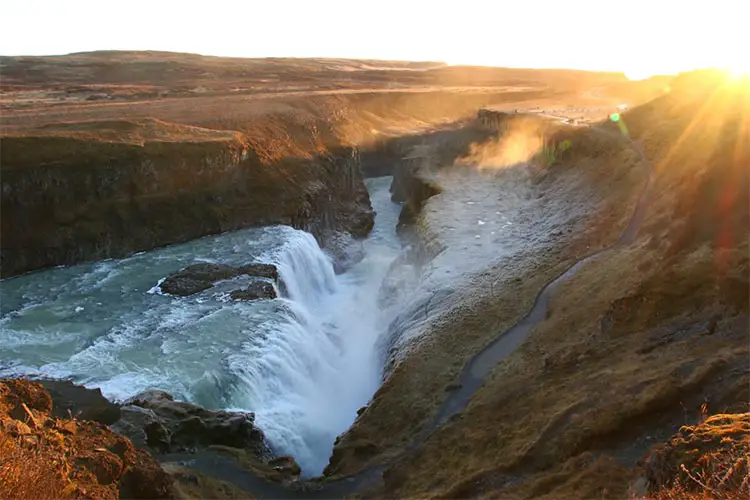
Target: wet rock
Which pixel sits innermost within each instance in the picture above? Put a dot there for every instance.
(170, 426)
(196, 278)
(256, 290)
(260, 270)
(344, 250)
(134, 422)
(82, 403)
(286, 465)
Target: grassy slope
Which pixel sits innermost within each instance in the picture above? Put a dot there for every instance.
(663, 331)
(492, 300)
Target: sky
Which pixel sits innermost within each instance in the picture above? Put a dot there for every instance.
(639, 37)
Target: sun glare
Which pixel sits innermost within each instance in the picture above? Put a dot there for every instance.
(740, 70)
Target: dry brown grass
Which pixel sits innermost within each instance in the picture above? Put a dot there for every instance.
(30, 469)
(710, 460)
(135, 131)
(45, 457)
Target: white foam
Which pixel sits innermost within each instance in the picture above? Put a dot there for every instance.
(156, 289)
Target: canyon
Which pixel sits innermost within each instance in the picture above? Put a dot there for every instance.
(492, 282)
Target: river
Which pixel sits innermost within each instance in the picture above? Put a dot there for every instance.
(304, 363)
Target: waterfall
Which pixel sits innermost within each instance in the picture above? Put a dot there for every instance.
(312, 365)
(304, 363)
(307, 273)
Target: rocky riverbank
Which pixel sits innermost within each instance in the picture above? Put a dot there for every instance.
(81, 445)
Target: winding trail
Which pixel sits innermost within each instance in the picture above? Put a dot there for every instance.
(472, 377)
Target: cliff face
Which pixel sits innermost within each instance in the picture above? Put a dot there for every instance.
(97, 190)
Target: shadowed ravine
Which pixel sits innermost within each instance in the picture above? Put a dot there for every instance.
(473, 376)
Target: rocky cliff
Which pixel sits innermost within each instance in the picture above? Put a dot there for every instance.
(93, 190)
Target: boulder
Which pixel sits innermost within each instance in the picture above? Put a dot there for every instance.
(285, 465)
(198, 277)
(69, 399)
(257, 290)
(134, 422)
(260, 270)
(169, 426)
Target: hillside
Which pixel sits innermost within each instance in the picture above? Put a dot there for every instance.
(571, 411)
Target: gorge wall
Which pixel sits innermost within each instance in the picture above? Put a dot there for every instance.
(70, 196)
(94, 189)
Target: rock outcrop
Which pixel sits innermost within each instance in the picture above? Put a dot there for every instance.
(47, 457)
(154, 419)
(198, 277)
(344, 251)
(74, 401)
(255, 291)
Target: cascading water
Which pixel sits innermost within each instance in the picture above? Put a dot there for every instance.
(304, 363)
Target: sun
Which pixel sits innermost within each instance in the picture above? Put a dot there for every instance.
(739, 69)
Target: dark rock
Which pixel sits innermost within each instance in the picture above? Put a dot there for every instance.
(60, 207)
(151, 395)
(80, 402)
(286, 465)
(146, 479)
(260, 270)
(157, 436)
(166, 425)
(196, 278)
(256, 290)
(134, 422)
